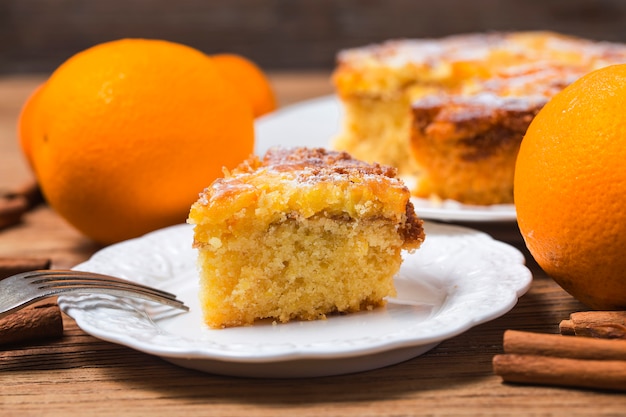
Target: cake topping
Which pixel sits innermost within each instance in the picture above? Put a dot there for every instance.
(310, 182)
(322, 163)
(530, 48)
(310, 166)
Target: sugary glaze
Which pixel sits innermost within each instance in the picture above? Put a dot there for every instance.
(299, 234)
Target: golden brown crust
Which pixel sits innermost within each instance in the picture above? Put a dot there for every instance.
(480, 128)
(412, 231)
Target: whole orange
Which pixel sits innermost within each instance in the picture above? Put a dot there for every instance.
(28, 125)
(570, 188)
(130, 131)
(249, 80)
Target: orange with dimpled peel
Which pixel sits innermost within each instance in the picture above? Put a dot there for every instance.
(570, 188)
(124, 135)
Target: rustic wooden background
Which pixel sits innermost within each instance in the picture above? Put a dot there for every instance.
(37, 35)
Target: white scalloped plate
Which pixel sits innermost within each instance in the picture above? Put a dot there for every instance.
(315, 122)
(458, 279)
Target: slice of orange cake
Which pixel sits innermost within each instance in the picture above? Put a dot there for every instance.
(300, 234)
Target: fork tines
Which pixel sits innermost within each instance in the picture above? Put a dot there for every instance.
(56, 282)
(60, 278)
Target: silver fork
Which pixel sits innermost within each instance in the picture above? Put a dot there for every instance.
(21, 290)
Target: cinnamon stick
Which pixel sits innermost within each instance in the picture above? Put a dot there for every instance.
(601, 324)
(546, 370)
(16, 265)
(30, 191)
(38, 322)
(11, 210)
(529, 343)
(17, 201)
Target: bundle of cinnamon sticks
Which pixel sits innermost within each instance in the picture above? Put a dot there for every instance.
(590, 352)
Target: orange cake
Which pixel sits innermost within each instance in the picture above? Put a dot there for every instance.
(450, 113)
(300, 234)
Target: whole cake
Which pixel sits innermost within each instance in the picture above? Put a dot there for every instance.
(445, 111)
(299, 234)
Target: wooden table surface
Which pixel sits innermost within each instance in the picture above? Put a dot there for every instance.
(81, 375)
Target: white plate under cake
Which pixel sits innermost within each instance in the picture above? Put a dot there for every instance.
(458, 279)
